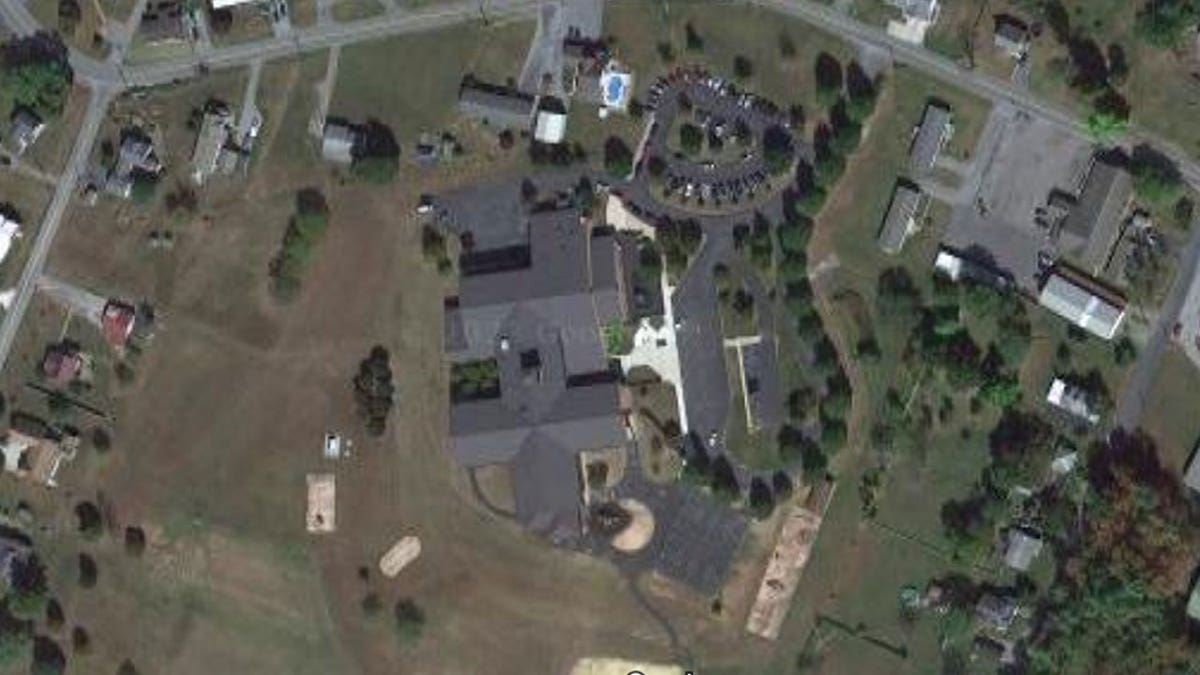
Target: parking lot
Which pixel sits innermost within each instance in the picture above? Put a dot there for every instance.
(729, 118)
(1018, 161)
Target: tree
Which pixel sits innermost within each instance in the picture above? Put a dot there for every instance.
(27, 590)
(1105, 126)
(666, 52)
(371, 604)
(135, 541)
(101, 441)
(88, 572)
(1165, 23)
(724, 482)
(377, 156)
(787, 46)
(55, 618)
(81, 642)
(691, 138)
(828, 72)
(781, 485)
(220, 20)
(15, 642)
(618, 158)
(373, 389)
(761, 500)
(127, 668)
(743, 68)
(410, 619)
(48, 657)
(36, 74)
(692, 38)
(1156, 180)
(91, 523)
(778, 149)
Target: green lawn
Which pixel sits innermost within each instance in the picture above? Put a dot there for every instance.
(373, 82)
(726, 31)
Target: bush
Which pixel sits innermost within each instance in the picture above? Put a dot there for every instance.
(743, 68)
(135, 541)
(304, 232)
(378, 170)
(36, 74)
(48, 657)
(101, 440)
(1155, 177)
(618, 158)
(14, 643)
(55, 618)
(410, 619)
(81, 642)
(91, 522)
(27, 589)
(1165, 23)
(694, 42)
(691, 138)
(787, 46)
(828, 73)
(373, 389)
(761, 501)
(88, 572)
(371, 604)
(778, 149)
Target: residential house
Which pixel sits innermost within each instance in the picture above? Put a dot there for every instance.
(1083, 301)
(930, 137)
(996, 612)
(916, 18)
(1191, 477)
(903, 217)
(1011, 35)
(10, 231)
(958, 267)
(136, 159)
(1087, 222)
(116, 322)
(1021, 548)
(1193, 604)
(24, 129)
(339, 141)
(494, 106)
(35, 458)
(62, 364)
(551, 124)
(538, 313)
(216, 125)
(12, 551)
(162, 21)
(1072, 399)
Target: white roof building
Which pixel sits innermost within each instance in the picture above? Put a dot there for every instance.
(1072, 399)
(1021, 549)
(226, 4)
(1191, 477)
(9, 231)
(551, 127)
(1076, 299)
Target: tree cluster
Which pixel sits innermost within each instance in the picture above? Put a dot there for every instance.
(305, 230)
(374, 391)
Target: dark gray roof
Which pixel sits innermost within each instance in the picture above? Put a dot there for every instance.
(546, 485)
(1011, 32)
(930, 137)
(996, 611)
(24, 128)
(496, 106)
(1093, 222)
(540, 323)
(901, 217)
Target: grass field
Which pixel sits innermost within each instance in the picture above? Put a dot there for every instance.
(415, 100)
(1169, 413)
(726, 31)
(353, 10)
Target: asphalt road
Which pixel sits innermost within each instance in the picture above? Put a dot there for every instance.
(106, 78)
(88, 130)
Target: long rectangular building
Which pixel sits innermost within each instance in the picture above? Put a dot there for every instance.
(1083, 302)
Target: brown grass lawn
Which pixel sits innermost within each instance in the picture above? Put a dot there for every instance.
(92, 19)
(213, 438)
(1169, 414)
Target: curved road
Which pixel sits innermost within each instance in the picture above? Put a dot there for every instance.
(109, 77)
